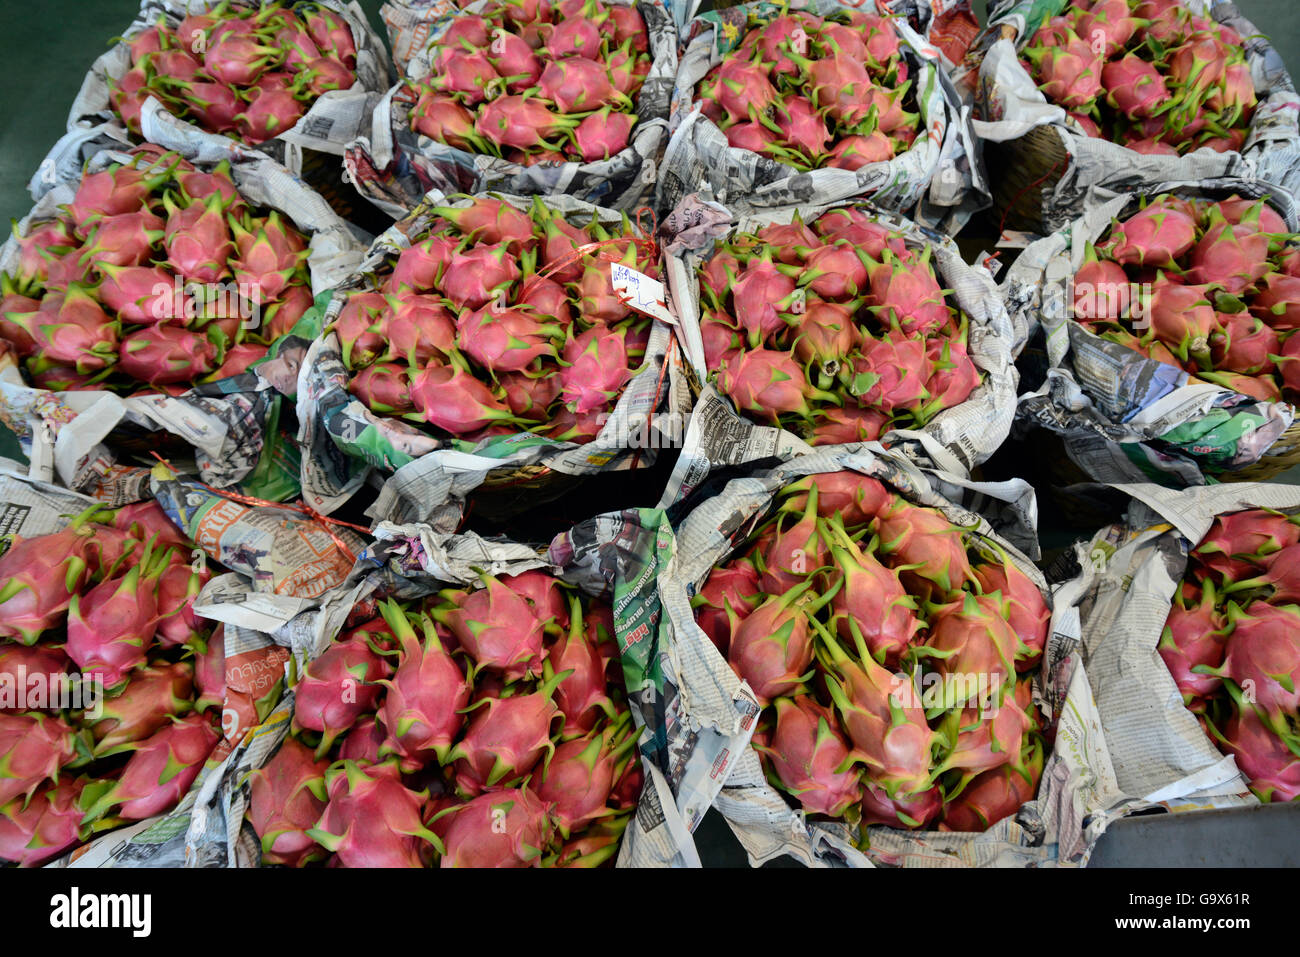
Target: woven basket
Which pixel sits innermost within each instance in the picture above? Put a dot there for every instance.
(1284, 454)
(1028, 167)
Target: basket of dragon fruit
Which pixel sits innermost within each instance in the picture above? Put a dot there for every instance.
(900, 655)
(834, 323)
(484, 338)
(111, 687)
(1190, 301)
(774, 107)
(527, 97)
(277, 76)
(1124, 93)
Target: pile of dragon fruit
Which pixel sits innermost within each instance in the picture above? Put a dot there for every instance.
(157, 275)
(1209, 287)
(1232, 645)
(809, 91)
(485, 727)
(499, 320)
(109, 599)
(535, 82)
(836, 332)
(249, 72)
(890, 650)
(1147, 74)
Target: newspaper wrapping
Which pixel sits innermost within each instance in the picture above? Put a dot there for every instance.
(958, 438)
(719, 516)
(1147, 748)
(286, 588)
(930, 181)
(333, 120)
(1124, 417)
(343, 440)
(394, 166)
(229, 424)
(1008, 104)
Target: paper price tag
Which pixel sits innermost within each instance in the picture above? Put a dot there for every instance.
(642, 293)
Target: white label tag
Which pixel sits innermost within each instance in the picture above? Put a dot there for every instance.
(643, 294)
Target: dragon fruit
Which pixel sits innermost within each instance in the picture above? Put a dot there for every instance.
(906, 811)
(33, 748)
(505, 739)
(152, 697)
(1272, 767)
(729, 593)
(453, 400)
(372, 820)
(497, 628)
(968, 638)
(1134, 87)
(503, 828)
(32, 833)
(579, 776)
(1156, 236)
(111, 626)
(923, 537)
(984, 741)
(1194, 635)
(1025, 609)
(286, 799)
(582, 697)
(41, 576)
(772, 647)
(906, 295)
(767, 383)
(166, 354)
(425, 695)
(805, 752)
(1070, 74)
(268, 255)
(994, 794)
(337, 688)
(1233, 257)
(1263, 648)
(792, 552)
(160, 770)
(872, 606)
(197, 239)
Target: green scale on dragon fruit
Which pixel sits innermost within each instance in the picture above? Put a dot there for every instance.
(145, 282)
(837, 330)
(250, 72)
(108, 599)
(494, 323)
(489, 728)
(812, 91)
(837, 611)
(1209, 287)
(1232, 645)
(1151, 75)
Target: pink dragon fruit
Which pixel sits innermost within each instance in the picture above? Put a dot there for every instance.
(18, 662)
(239, 59)
(1069, 74)
(44, 827)
(578, 778)
(1263, 648)
(286, 799)
(1111, 22)
(33, 747)
(882, 717)
(41, 575)
(497, 628)
(1233, 257)
(803, 127)
(154, 695)
(141, 294)
(338, 688)
(792, 552)
(1272, 767)
(420, 266)
(331, 34)
(1194, 635)
(603, 134)
(854, 497)
(479, 275)
(505, 738)
(72, 329)
(178, 587)
(994, 795)
(1102, 290)
(372, 820)
(766, 383)
(112, 192)
(453, 400)
(970, 638)
(504, 828)
(1156, 236)
(582, 697)
(729, 594)
(111, 627)
(597, 368)
(1244, 344)
(835, 270)
(1278, 301)
(872, 605)
(160, 770)
(521, 122)
(848, 425)
(1182, 317)
(363, 743)
(167, 354)
(1134, 87)
(127, 239)
(805, 752)
(425, 695)
(906, 811)
(985, 741)
(772, 648)
(890, 373)
(268, 255)
(505, 339)
(759, 296)
(441, 117)
(1026, 610)
(1281, 575)
(906, 295)
(383, 387)
(856, 151)
(197, 239)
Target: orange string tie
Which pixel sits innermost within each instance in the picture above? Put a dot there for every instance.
(324, 521)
